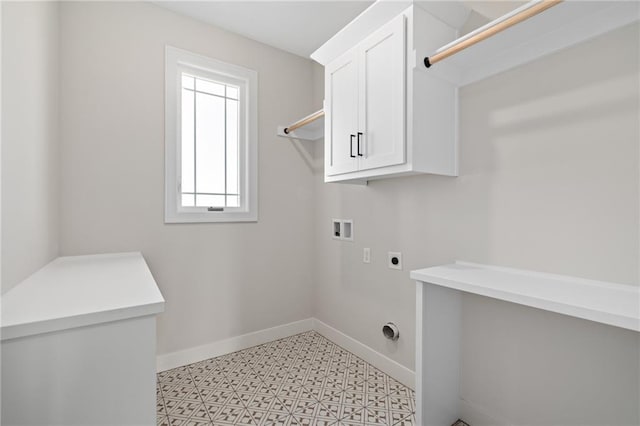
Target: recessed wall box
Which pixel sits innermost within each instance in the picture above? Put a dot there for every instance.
(336, 229)
(342, 229)
(347, 230)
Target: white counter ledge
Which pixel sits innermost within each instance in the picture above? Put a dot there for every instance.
(604, 302)
(439, 311)
(78, 291)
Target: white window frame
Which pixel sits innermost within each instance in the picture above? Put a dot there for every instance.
(177, 61)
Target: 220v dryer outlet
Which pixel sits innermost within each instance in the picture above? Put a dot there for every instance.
(395, 260)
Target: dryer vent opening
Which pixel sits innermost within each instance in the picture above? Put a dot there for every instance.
(390, 331)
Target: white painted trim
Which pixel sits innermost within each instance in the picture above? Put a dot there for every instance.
(232, 344)
(378, 360)
(420, 314)
(1, 7)
(476, 415)
(188, 356)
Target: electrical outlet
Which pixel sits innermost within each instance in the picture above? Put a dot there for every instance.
(395, 260)
(366, 255)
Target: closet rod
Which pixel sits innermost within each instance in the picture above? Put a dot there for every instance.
(491, 31)
(303, 122)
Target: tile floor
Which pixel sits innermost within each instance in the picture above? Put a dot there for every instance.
(300, 380)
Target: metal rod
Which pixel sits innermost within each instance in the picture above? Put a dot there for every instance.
(491, 31)
(303, 122)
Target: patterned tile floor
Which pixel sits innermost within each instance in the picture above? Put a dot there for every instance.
(300, 380)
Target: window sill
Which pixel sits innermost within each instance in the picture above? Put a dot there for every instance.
(211, 217)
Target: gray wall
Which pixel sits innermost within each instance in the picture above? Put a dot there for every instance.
(30, 145)
(549, 182)
(219, 280)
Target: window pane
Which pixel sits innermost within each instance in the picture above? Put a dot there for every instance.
(187, 142)
(188, 200)
(232, 92)
(210, 149)
(210, 87)
(187, 81)
(210, 158)
(232, 147)
(210, 200)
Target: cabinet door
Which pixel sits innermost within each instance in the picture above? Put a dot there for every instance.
(382, 96)
(341, 119)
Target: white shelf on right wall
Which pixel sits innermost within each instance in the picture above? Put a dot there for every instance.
(561, 26)
(439, 292)
(604, 302)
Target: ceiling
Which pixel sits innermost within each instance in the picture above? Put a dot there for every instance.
(298, 27)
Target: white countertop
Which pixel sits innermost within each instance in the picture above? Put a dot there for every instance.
(604, 302)
(77, 291)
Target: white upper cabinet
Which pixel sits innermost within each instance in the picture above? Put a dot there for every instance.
(341, 81)
(381, 102)
(365, 95)
(385, 116)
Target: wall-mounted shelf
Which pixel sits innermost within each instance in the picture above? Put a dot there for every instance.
(563, 25)
(439, 320)
(604, 302)
(309, 128)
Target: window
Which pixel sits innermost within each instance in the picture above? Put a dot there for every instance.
(210, 140)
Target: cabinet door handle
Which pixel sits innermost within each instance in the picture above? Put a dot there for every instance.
(359, 153)
(351, 147)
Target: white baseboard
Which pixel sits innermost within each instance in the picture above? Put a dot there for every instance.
(477, 416)
(233, 344)
(398, 371)
(237, 343)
